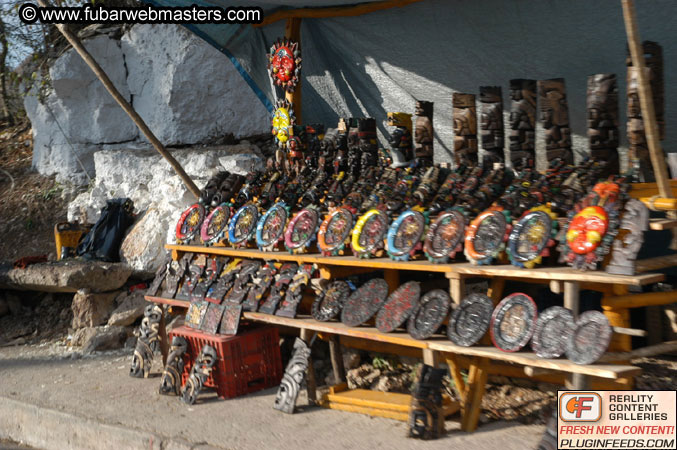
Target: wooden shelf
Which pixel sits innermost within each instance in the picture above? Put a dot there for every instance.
(440, 344)
(451, 270)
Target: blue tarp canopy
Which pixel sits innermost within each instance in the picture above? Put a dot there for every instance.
(364, 66)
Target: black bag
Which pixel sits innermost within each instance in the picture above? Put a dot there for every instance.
(104, 239)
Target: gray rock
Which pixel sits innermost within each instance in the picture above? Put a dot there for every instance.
(158, 194)
(105, 338)
(351, 358)
(90, 309)
(82, 336)
(13, 304)
(130, 308)
(4, 307)
(66, 276)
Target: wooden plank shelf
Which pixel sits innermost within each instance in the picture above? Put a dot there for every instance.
(439, 344)
(451, 270)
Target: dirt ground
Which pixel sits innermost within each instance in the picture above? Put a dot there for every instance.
(100, 388)
(30, 204)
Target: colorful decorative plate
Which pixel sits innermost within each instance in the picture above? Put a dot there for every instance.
(531, 236)
(432, 310)
(364, 302)
(445, 236)
(399, 306)
(243, 225)
(470, 320)
(405, 235)
(270, 228)
(554, 328)
(513, 322)
(302, 230)
(328, 303)
(369, 233)
(334, 231)
(590, 338)
(486, 235)
(189, 223)
(214, 226)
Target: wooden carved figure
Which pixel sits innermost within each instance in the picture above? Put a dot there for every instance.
(202, 368)
(147, 342)
(426, 420)
(523, 123)
(401, 151)
(293, 377)
(465, 129)
(368, 146)
(170, 383)
(555, 116)
(603, 120)
(491, 124)
(639, 151)
(424, 132)
(624, 250)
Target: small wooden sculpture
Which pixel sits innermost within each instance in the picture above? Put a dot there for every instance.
(555, 117)
(603, 120)
(147, 342)
(293, 377)
(523, 123)
(491, 124)
(202, 368)
(625, 249)
(170, 383)
(639, 151)
(401, 152)
(465, 129)
(424, 132)
(426, 420)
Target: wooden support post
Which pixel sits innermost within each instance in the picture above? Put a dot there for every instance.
(392, 277)
(495, 292)
(431, 357)
(477, 381)
(456, 287)
(131, 112)
(456, 375)
(572, 291)
(336, 359)
(307, 336)
(292, 30)
(648, 111)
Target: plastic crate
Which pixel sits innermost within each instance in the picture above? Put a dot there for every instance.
(247, 362)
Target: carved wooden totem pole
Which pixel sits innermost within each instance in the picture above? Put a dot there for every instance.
(424, 132)
(603, 120)
(465, 129)
(639, 151)
(491, 125)
(555, 116)
(523, 123)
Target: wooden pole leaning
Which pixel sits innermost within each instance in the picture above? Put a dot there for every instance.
(131, 112)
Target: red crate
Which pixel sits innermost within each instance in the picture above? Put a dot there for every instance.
(248, 362)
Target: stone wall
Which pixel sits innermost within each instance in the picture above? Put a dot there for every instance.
(187, 92)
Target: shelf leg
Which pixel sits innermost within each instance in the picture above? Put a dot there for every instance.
(455, 373)
(336, 359)
(431, 357)
(578, 382)
(572, 293)
(475, 392)
(456, 288)
(495, 292)
(392, 277)
(307, 336)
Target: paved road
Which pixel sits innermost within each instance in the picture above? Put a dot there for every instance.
(71, 398)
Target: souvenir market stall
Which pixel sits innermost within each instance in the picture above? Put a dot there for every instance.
(323, 239)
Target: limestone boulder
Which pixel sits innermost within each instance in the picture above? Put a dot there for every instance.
(66, 276)
(93, 339)
(92, 309)
(187, 91)
(129, 310)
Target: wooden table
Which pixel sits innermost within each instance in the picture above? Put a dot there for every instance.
(433, 351)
